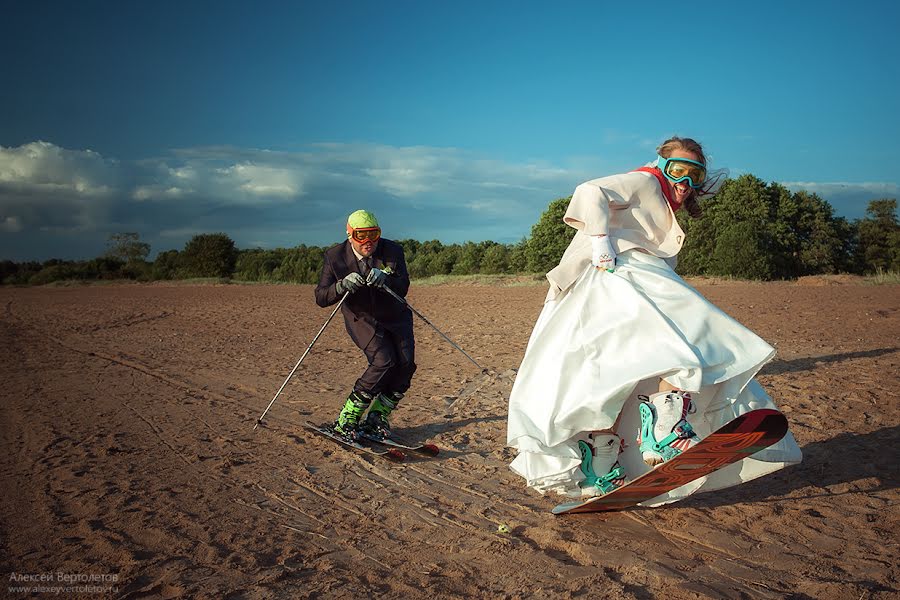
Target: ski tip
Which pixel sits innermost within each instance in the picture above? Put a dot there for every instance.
(395, 455)
(430, 449)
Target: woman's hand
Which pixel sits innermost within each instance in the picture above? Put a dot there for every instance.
(602, 254)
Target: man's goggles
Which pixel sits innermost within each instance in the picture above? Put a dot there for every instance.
(370, 233)
(677, 170)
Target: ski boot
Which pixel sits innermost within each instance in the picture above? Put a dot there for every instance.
(665, 432)
(376, 424)
(601, 457)
(347, 421)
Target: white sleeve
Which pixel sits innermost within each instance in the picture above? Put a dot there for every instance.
(589, 209)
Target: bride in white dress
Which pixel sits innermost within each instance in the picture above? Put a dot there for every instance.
(619, 323)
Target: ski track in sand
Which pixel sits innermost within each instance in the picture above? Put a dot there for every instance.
(128, 448)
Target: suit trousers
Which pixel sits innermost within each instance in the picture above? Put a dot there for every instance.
(391, 364)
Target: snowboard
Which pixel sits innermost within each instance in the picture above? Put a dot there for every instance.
(390, 453)
(426, 449)
(737, 439)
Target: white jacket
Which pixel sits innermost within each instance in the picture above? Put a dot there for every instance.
(631, 209)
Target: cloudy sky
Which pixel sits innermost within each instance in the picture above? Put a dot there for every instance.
(271, 121)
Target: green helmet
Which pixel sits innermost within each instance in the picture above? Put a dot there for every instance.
(361, 219)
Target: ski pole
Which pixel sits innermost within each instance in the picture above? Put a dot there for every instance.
(331, 316)
(421, 316)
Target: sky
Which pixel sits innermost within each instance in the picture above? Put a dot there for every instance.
(455, 121)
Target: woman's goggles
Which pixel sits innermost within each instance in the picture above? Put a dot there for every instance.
(677, 170)
(370, 233)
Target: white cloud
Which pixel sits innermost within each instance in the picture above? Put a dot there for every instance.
(11, 225)
(407, 172)
(262, 180)
(46, 167)
(296, 197)
(215, 178)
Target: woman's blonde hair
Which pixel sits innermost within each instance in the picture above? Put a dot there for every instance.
(691, 204)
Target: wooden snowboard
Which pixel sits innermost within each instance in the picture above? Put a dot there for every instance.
(737, 439)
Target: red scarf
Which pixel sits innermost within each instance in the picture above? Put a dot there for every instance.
(664, 184)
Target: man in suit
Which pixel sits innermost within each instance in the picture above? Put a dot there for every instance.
(379, 324)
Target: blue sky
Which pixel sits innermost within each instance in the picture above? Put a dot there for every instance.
(271, 121)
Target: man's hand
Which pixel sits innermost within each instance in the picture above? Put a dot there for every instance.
(602, 254)
(376, 278)
(350, 283)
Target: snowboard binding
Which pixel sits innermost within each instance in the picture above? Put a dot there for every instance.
(601, 457)
(665, 432)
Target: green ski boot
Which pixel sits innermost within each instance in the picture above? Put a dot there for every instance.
(376, 424)
(353, 410)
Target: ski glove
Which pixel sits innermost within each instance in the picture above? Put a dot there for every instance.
(602, 254)
(376, 278)
(350, 284)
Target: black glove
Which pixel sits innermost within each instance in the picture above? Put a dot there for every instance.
(350, 283)
(376, 278)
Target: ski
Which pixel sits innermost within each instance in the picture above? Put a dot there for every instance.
(747, 434)
(393, 454)
(426, 449)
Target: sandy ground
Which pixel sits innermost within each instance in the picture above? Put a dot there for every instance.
(129, 461)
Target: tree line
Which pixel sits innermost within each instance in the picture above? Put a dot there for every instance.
(750, 230)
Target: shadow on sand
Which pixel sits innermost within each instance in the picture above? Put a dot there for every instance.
(779, 367)
(434, 429)
(844, 458)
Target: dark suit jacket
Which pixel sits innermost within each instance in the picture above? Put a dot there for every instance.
(368, 307)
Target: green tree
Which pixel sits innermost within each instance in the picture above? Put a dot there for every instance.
(550, 237)
(823, 241)
(209, 255)
(127, 247)
(471, 255)
(879, 237)
(300, 265)
(517, 260)
(734, 227)
(780, 234)
(19, 273)
(432, 258)
(495, 259)
(258, 264)
(166, 265)
(441, 262)
(695, 257)
(410, 249)
(8, 271)
(738, 253)
(108, 268)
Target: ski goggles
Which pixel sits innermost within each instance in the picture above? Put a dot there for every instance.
(677, 170)
(369, 233)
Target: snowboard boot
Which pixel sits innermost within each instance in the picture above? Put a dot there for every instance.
(376, 424)
(600, 464)
(354, 407)
(665, 432)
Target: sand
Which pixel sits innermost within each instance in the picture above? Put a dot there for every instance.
(130, 463)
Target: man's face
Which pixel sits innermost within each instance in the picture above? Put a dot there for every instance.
(365, 247)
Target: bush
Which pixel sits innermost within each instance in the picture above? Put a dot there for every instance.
(879, 237)
(208, 255)
(550, 237)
